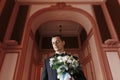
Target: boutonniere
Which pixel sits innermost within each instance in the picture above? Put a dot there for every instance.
(65, 65)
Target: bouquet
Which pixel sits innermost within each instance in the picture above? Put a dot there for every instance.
(65, 65)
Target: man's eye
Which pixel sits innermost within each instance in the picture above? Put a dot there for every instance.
(57, 41)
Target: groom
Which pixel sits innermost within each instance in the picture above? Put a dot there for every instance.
(58, 46)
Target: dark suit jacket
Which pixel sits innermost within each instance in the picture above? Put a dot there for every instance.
(50, 74)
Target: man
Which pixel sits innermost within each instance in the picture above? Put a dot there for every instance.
(51, 74)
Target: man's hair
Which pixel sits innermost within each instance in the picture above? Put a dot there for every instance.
(60, 36)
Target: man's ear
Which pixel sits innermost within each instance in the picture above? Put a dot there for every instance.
(63, 42)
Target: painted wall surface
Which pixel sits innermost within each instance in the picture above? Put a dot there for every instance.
(96, 61)
(114, 63)
(28, 59)
(8, 67)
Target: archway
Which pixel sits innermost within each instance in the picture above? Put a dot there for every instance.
(73, 14)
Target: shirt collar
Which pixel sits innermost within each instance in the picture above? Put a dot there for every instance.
(60, 52)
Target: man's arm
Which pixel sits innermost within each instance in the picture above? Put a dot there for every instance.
(44, 72)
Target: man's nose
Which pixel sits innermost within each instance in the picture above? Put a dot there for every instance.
(55, 44)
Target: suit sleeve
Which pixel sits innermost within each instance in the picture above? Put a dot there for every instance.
(44, 72)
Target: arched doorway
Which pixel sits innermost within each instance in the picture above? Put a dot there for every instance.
(90, 58)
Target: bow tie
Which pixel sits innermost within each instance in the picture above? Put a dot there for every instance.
(61, 54)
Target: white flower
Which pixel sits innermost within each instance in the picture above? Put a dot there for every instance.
(58, 76)
(51, 61)
(60, 58)
(65, 58)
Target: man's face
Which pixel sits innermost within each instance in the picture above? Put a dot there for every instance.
(58, 44)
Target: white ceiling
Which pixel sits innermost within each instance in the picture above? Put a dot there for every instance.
(60, 15)
(60, 27)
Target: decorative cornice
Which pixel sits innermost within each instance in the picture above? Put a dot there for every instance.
(111, 42)
(10, 45)
(61, 5)
(10, 42)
